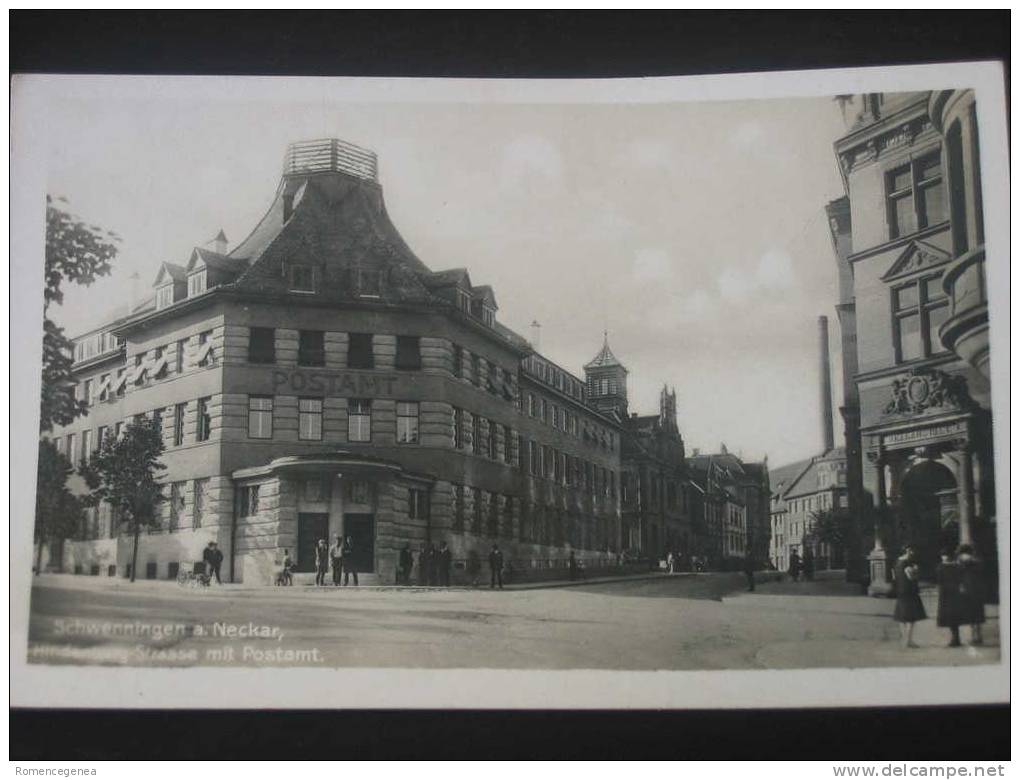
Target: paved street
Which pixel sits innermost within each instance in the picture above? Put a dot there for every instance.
(680, 622)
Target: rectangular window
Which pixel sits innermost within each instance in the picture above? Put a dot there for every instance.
(311, 348)
(359, 419)
(310, 419)
(118, 429)
(71, 452)
(260, 416)
(179, 411)
(248, 498)
(101, 435)
(558, 466)
(476, 511)
(508, 445)
(915, 197)
(121, 382)
(196, 283)
(86, 393)
(86, 445)
(200, 487)
(458, 360)
(176, 504)
(531, 404)
(493, 448)
(408, 353)
(919, 309)
(261, 345)
(476, 370)
(458, 428)
(533, 458)
(302, 278)
(493, 519)
(182, 346)
(407, 422)
(314, 491)
(458, 509)
(165, 296)
(359, 351)
(476, 434)
(417, 504)
(204, 421)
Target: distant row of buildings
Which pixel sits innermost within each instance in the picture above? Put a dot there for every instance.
(319, 380)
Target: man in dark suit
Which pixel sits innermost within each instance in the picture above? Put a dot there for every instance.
(216, 559)
(350, 567)
(496, 567)
(404, 578)
(445, 561)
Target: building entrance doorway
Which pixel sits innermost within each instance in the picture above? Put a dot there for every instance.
(312, 526)
(928, 513)
(361, 529)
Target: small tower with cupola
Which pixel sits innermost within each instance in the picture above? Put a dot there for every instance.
(606, 380)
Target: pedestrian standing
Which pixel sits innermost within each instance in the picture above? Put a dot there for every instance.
(207, 560)
(948, 575)
(350, 566)
(431, 565)
(972, 592)
(336, 559)
(808, 564)
(909, 608)
(321, 561)
(495, 567)
(749, 572)
(288, 563)
(669, 563)
(794, 566)
(445, 561)
(217, 561)
(404, 577)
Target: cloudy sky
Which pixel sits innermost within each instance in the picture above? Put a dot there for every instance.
(693, 232)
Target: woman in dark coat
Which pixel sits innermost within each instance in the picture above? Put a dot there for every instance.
(972, 600)
(909, 608)
(948, 575)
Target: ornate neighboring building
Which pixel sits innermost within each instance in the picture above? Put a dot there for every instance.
(909, 245)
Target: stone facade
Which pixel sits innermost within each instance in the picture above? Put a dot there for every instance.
(320, 380)
(907, 237)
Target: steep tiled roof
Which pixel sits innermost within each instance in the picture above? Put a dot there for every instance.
(605, 358)
(225, 263)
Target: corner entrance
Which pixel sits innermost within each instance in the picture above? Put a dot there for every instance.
(361, 529)
(311, 528)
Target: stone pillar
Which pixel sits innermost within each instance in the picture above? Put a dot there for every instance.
(966, 488)
(878, 559)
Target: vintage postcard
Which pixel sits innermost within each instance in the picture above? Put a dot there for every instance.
(631, 393)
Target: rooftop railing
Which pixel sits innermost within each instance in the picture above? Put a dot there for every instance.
(330, 155)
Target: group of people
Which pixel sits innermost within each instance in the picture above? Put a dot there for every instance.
(433, 565)
(961, 597)
(212, 557)
(672, 562)
(801, 566)
(339, 556)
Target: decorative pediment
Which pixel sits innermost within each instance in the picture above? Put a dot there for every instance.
(928, 390)
(917, 256)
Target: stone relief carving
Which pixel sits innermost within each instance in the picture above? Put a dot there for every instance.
(925, 389)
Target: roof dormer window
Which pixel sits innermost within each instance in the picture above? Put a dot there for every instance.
(196, 283)
(302, 279)
(165, 296)
(488, 316)
(464, 301)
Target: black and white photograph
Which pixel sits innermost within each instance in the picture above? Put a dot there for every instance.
(415, 377)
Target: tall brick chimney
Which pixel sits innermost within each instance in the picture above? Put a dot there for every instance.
(825, 382)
